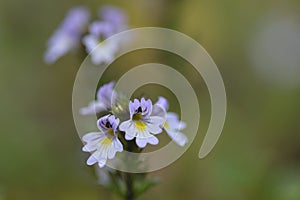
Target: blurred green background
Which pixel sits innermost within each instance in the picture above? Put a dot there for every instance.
(255, 44)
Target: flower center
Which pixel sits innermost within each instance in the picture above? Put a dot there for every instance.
(141, 126)
(106, 141)
(111, 132)
(137, 117)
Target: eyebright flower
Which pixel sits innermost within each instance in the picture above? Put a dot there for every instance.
(106, 96)
(144, 121)
(67, 36)
(173, 126)
(104, 144)
(112, 21)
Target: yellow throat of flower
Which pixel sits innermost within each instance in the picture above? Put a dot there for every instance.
(139, 125)
(106, 141)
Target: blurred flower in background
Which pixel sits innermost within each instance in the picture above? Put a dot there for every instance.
(67, 37)
(73, 31)
(112, 20)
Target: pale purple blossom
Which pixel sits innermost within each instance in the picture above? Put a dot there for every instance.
(143, 123)
(103, 52)
(173, 125)
(102, 29)
(112, 20)
(68, 36)
(104, 144)
(106, 97)
(163, 102)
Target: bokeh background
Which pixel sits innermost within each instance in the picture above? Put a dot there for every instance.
(255, 44)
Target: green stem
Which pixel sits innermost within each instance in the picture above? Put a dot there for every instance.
(129, 178)
(129, 186)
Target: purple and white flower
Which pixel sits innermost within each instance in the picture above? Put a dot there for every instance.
(112, 21)
(173, 125)
(144, 121)
(106, 97)
(68, 36)
(104, 144)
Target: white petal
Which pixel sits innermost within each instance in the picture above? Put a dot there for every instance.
(181, 125)
(172, 116)
(117, 145)
(155, 120)
(92, 141)
(93, 108)
(142, 142)
(128, 127)
(92, 160)
(101, 163)
(103, 150)
(84, 149)
(153, 140)
(154, 129)
(158, 111)
(99, 57)
(90, 147)
(142, 134)
(178, 137)
(111, 152)
(125, 125)
(174, 123)
(104, 52)
(92, 136)
(129, 136)
(90, 42)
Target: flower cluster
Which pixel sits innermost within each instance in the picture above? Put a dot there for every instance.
(144, 121)
(77, 29)
(123, 125)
